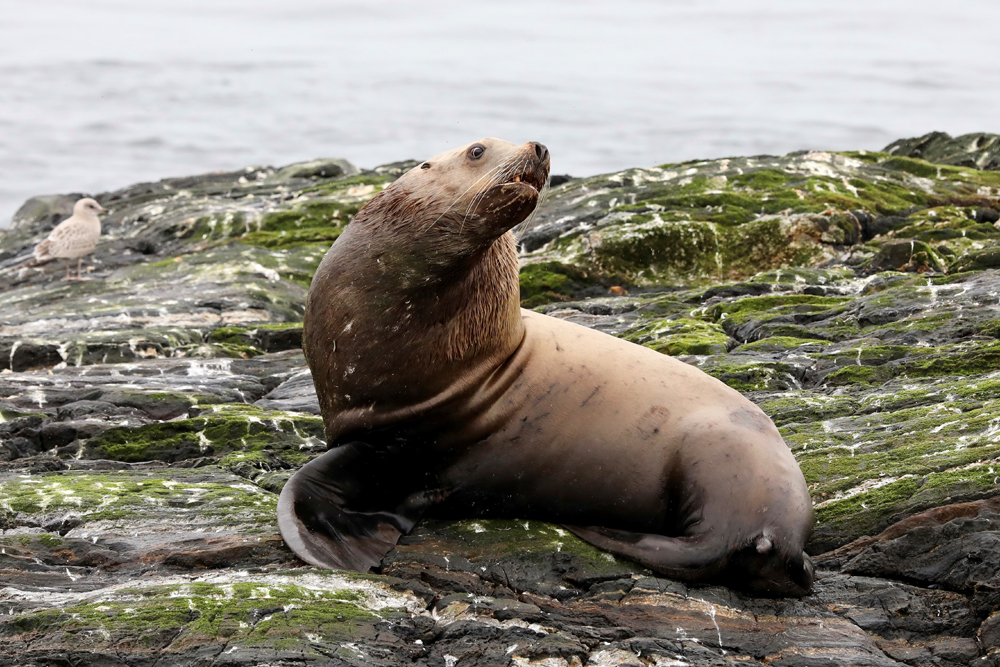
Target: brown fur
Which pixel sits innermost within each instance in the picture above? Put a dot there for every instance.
(414, 243)
(439, 393)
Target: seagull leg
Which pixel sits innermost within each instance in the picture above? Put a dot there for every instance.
(68, 276)
(79, 267)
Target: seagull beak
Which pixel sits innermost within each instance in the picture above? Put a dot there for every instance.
(103, 210)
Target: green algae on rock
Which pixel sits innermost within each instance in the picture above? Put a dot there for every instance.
(265, 613)
(149, 416)
(978, 151)
(217, 430)
(729, 219)
(547, 282)
(683, 335)
(112, 500)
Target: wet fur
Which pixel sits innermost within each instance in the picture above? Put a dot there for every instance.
(440, 395)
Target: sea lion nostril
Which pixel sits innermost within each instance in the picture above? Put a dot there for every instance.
(541, 151)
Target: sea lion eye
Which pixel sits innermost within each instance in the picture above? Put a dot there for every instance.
(476, 152)
(425, 165)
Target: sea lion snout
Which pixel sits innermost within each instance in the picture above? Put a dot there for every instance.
(471, 195)
(541, 151)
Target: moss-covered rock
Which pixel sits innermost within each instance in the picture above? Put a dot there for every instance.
(682, 335)
(728, 219)
(261, 339)
(283, 616)
(977, 151)
(112, 500)
(218, 430)
(546, 282)
(150, 416)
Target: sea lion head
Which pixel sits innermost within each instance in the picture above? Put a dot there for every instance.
(467, 197)
(429, 257)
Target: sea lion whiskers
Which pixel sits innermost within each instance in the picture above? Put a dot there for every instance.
(495, 180)
(521, 228)
(509, 168)
(457, 199)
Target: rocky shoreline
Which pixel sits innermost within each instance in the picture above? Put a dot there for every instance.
(150, 415)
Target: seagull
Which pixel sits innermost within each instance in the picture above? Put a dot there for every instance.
(74, 237)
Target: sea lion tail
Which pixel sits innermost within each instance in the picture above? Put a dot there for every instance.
(694, 558)
(317, 523)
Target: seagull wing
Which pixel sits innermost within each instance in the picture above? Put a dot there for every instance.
(42, 251)
(71, 238)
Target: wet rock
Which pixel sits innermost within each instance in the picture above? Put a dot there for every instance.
(989, 632)
(976, 260)
(297, 394)
(978, 151)
(46, 211)
(558, 179)
(150, 416)
(987, 215)
(719, 220)
(879, 225)
(321, 168)
(905, 255)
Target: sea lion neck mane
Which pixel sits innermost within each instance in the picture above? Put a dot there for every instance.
(430, 262)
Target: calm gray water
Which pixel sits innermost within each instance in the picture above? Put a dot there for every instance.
(98, 94)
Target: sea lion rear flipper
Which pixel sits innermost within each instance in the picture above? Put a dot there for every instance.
(315, 512)
(687, 558)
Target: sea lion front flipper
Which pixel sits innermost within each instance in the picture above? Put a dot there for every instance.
(319, 515)
(692, 558)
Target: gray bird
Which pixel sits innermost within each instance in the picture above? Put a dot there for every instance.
(74, 237)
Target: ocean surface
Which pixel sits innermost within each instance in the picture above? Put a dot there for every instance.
(99, 94)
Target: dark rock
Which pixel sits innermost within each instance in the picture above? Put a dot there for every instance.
(57, 434)
(961, 650)
(905, 255)
(160, 406)
(297, 393)
(987, 215)
(959, 555)
(911, 655)
(278, 340)
(321, 168)
(103, 408)
(45, 211)
(25, 356)
(730, 291)
(976, 260)
(978, 151)
(989, 632)
(880, 225)
(144, 246)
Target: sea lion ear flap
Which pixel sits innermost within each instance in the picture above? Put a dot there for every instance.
(317, 524)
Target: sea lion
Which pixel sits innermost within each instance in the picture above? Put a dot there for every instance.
(439, 393)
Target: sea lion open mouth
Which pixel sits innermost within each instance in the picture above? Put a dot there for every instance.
(532, 168)
(533, 178)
